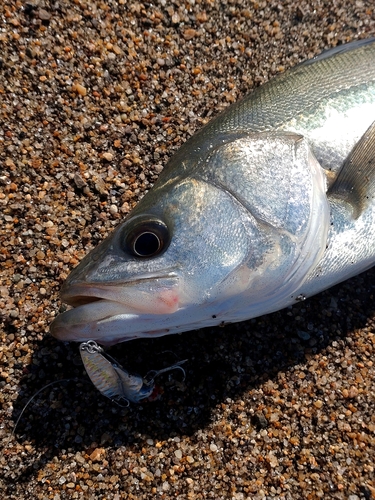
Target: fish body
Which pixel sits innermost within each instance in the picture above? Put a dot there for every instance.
(270, 202)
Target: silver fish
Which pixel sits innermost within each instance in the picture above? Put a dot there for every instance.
(270, 202)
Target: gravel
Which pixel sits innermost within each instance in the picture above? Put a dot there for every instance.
(95, 97)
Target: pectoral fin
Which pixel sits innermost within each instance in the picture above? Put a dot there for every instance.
(355, 182)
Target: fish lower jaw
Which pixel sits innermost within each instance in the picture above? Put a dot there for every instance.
(108, 338)
(114, 324)
(123, 327)
(109, 323)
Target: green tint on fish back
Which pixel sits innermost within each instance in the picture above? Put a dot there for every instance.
(293, 101)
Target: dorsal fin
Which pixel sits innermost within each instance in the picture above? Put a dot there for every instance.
(355, 182)
(339, 49)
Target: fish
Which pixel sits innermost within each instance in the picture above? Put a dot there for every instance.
(268, 204)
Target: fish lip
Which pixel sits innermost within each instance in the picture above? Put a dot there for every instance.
(68, 327)
(79, 293)
(82, 294)
(96, 304)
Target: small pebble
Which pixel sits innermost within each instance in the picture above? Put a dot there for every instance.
(108, 156)
(80, 89)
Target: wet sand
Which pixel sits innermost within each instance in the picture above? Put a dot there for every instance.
(94, 99)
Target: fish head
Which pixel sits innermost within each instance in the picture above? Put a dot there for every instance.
(197, 250)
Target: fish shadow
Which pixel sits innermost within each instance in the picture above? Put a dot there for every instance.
(70, 414)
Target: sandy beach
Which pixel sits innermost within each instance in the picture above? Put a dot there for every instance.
(95, 97)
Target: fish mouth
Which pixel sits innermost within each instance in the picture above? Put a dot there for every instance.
(112, 312)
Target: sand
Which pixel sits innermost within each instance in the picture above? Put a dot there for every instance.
(95, 96)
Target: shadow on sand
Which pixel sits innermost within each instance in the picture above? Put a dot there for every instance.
(222, 363)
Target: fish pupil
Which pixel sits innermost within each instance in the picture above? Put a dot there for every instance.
(147, 244)
(146, 238)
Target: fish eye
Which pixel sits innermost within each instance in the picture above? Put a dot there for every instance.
(147, 239)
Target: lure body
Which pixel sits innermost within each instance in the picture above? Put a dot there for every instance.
(113, 381)
(110, 378)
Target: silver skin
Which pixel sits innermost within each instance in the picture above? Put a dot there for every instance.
(270, 202)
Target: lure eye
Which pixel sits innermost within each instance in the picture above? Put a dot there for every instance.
(147, 239)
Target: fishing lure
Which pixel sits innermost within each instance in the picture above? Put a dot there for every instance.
(113, 381)
(110, 378)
